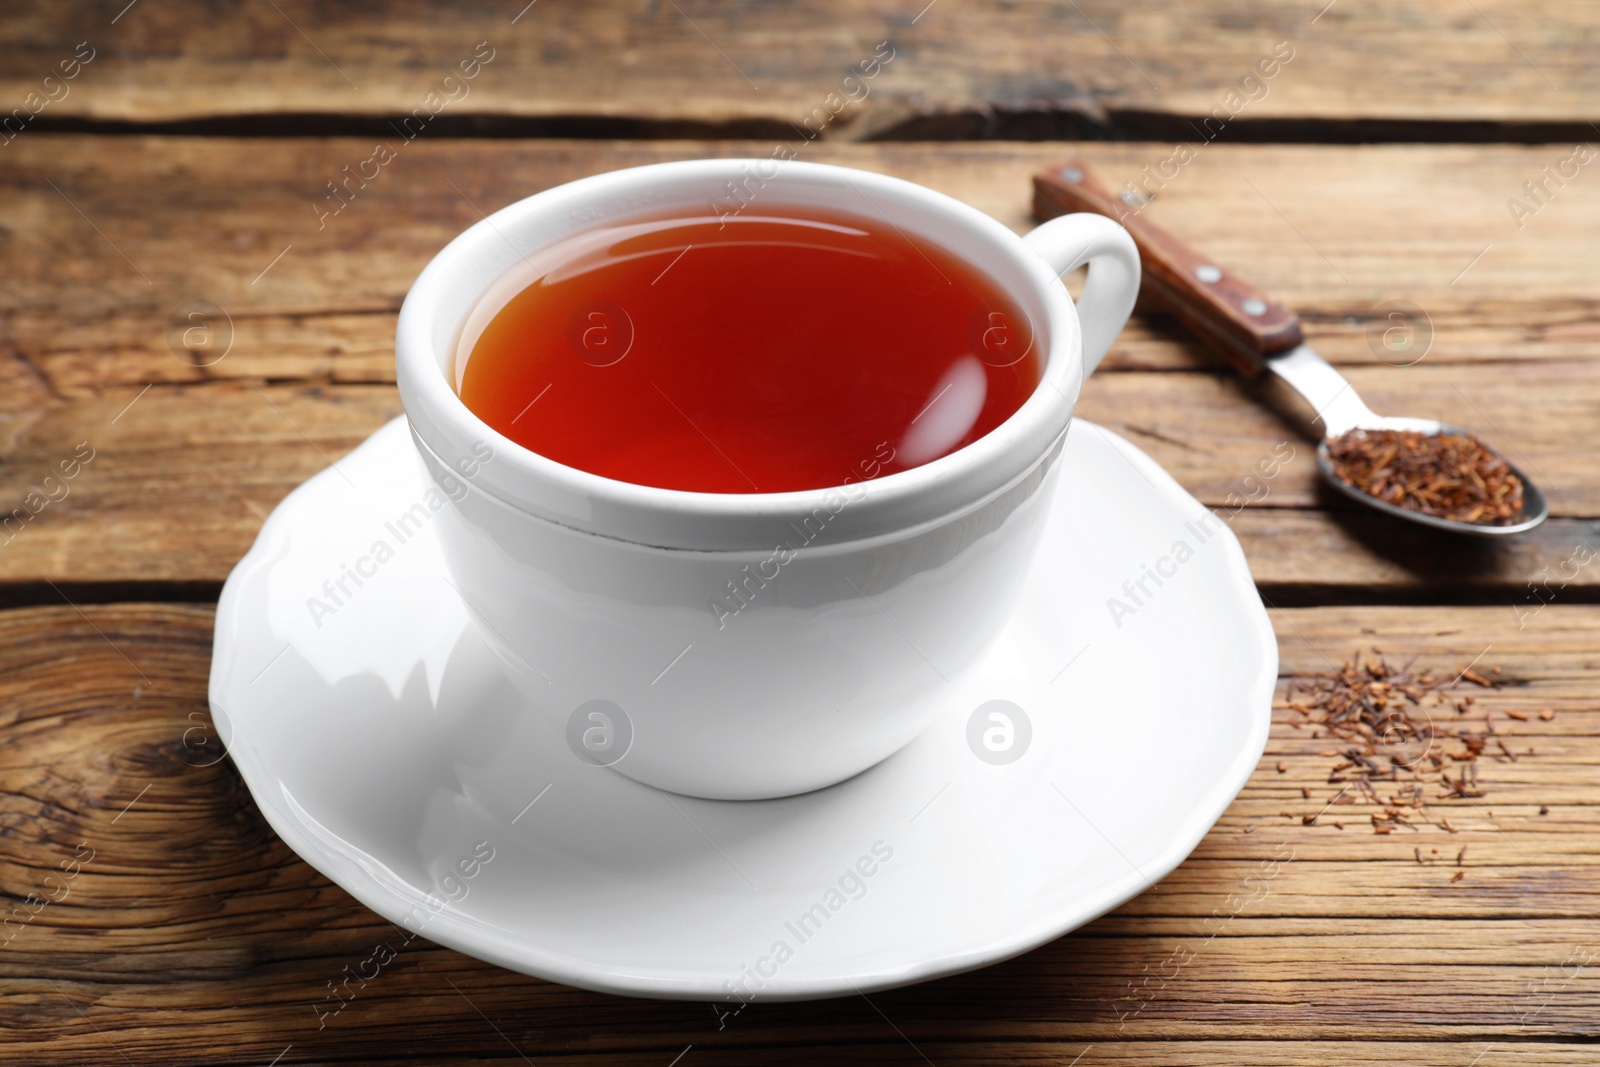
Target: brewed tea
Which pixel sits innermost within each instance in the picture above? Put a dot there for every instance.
(766, 352)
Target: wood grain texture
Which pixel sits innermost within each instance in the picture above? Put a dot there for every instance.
(183, 477)
(136, 227)
(1031, 67)
(181, 480)
(193, 935)
(149, 915)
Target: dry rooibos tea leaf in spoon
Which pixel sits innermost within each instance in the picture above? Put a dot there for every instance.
(1449, 476)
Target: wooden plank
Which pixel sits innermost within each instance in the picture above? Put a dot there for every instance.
(188, 474)
(165, 221)
(1026, 68)
(1213, 432)
(1354, 556)
(173, 483)
(194, 935)
(183, 473)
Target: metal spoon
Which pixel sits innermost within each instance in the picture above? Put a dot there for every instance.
(1255, 333)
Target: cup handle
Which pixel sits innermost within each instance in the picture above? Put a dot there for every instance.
(1069, 242)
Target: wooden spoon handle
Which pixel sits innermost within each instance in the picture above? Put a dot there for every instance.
(1240, 322)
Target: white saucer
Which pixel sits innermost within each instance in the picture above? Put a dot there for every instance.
(382, 744)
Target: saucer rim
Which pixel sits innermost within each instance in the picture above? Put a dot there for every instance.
(454, 930)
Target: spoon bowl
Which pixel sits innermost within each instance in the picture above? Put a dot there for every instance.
(1341, 410)
(1535, 508)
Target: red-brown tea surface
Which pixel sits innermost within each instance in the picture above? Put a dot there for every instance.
(761, 353)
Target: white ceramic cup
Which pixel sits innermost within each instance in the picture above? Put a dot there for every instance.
(860, 605)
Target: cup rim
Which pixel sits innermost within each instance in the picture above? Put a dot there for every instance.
(674, 518)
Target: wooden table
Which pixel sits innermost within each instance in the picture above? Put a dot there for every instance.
(186, 159)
